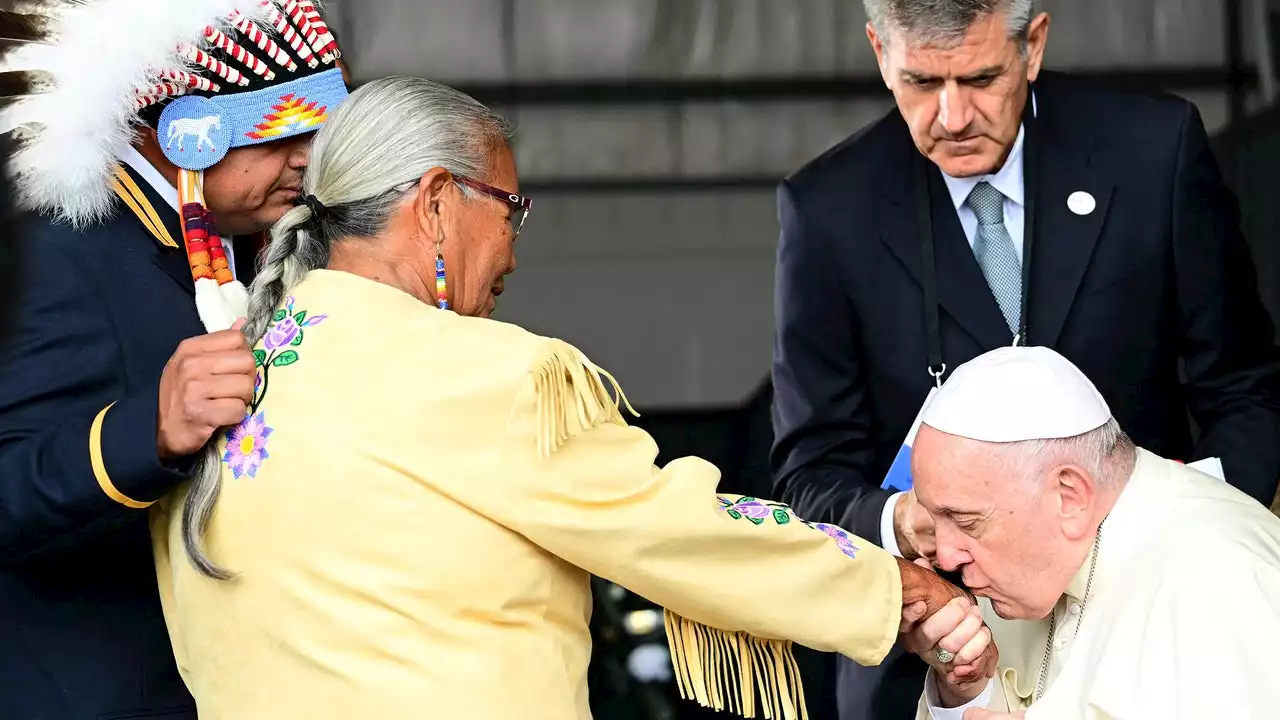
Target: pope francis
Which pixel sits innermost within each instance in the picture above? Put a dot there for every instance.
(1117, 584)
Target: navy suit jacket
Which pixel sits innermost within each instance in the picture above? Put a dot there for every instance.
(1155, 280)
(98, 315)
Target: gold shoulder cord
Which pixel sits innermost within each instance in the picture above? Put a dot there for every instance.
(131, 195)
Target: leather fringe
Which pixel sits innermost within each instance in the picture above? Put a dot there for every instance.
(573, 398)
(723, 670)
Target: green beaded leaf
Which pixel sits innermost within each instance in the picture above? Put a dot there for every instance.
(756, 520)
(734, 513)
(280, 314)
(259, 357)
(300, 316)
(780, 516)
(288, 357)
(298, 340)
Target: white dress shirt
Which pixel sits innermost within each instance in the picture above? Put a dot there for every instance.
(1008, 180)
(131, 157)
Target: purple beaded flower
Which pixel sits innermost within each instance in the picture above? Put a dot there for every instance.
(247, 446)
(281, 333)
(843, 541)
(286, 326)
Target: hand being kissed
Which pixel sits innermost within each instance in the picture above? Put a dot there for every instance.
(958, 628)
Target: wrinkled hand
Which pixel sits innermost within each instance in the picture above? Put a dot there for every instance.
(920, 584)
(984, 714)
(959, 629)
(206, 385)
(913, 529)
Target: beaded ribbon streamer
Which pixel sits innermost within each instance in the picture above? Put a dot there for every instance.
(220, 298)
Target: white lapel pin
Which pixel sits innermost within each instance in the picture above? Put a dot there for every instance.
(1081, 202)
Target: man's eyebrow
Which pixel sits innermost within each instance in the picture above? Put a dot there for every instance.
(981, 74)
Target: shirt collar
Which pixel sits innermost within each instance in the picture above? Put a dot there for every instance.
(1125, 529)
(131, 157)
(1008, 179)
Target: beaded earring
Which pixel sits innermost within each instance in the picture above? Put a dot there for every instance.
(442, 294)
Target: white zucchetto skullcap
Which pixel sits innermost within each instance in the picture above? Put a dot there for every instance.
(1014, 394)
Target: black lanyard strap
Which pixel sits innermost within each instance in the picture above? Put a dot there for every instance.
(924, 220)
(924, 223)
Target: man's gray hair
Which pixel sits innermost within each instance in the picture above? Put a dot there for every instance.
(943, 23)
(365, 162)
(1106, 453)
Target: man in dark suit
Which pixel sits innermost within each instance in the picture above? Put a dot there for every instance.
(109, 384)
(989, 179)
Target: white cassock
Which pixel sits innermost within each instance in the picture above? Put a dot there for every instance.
(1182, 619)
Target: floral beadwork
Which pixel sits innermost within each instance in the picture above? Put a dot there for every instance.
(842, 538)
(755, 510)
(758, 511)
(246, 447)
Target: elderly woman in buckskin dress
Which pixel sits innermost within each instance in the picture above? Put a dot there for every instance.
(406, 522)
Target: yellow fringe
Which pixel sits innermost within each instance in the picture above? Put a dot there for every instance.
(723, 670)
(572, 398)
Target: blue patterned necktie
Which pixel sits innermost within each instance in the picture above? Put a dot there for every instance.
(995, 252)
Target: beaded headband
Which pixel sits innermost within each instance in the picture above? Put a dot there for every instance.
(197, 132)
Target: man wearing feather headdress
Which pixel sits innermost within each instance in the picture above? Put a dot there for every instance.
(154, 135)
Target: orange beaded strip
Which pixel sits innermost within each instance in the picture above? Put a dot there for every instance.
(205, 253)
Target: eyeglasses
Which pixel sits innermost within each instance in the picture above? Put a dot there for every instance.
(518, 204)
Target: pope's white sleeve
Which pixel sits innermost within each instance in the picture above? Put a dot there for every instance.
(937, 712)
(888, 538)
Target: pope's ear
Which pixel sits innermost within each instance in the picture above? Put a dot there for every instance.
(1077, 494)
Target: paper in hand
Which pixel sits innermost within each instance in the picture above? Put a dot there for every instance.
(1209, 466)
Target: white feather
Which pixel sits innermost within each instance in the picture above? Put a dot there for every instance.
(237, 297)
(213, 307)
(101, 52)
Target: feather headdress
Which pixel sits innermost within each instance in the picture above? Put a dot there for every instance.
(78, 78)
(85, 73)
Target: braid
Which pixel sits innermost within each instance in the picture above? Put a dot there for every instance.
(293, 252)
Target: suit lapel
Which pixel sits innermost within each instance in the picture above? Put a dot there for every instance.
(173, 261)
(1064, 239)
(963, 292)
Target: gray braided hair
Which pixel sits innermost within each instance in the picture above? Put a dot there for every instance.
(364, 163)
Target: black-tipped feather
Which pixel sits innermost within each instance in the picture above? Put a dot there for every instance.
(21, 27)
(17, 83)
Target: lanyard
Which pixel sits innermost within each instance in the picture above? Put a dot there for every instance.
(924, 222)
